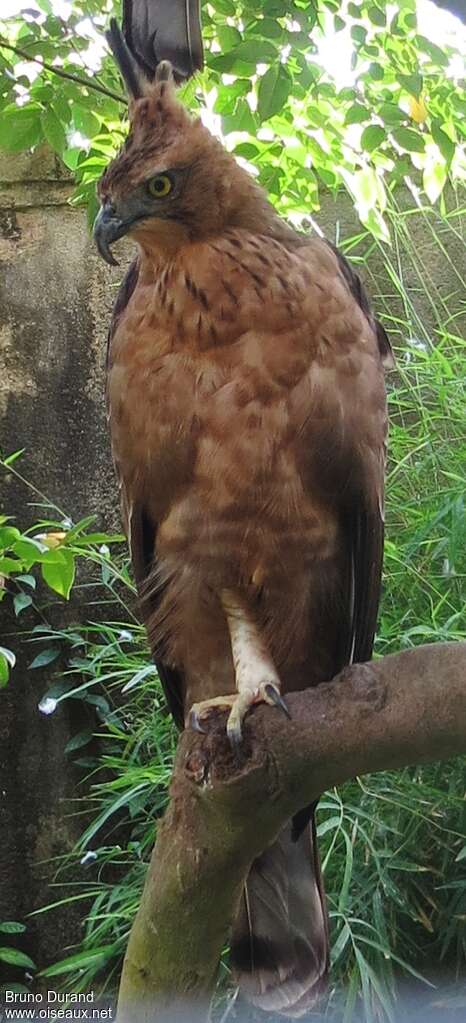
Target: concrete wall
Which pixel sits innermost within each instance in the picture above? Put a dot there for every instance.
(55, 300)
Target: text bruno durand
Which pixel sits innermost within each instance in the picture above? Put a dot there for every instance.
(53, 1005)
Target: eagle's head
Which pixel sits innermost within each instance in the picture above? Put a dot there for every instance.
(173, 181)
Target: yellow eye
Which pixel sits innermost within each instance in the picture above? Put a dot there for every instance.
(160, 186)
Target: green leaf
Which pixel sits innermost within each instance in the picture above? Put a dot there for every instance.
(16, 958)
(391, 114)
(53, 130)
(11, 927)
(21, 601)
(21, 127)
(367, 188)
(59, 574)
(376, 72)
(274, 89)
(356, 114)
(358, 34)
(8, 536)
(443, 141)
(79, 740)
(228, 37)
(12, 458)
(377, 226)
(86, 121)
(412, 84)
(376, 16)
(94, 958)
(267, 28)
(8, 655)
(372, 136)
(8, 566)
(241, 120)
(46, 656)
(4, 670)
(28, 580)
(434, 179)
(438, 56)
(409, 139)
(247, 150)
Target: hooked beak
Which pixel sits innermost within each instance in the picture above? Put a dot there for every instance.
(107, 229)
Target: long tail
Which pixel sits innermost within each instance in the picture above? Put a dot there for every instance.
(280, 947)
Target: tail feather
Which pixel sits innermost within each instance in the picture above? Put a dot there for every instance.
(280, 948)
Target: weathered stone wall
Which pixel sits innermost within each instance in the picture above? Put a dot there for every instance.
(55, 300)
(55, 297)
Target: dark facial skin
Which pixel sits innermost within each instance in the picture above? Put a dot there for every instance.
(117, 217)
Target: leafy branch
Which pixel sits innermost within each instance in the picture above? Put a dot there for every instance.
(61, 73)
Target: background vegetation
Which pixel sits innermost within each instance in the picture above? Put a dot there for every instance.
(385, 120)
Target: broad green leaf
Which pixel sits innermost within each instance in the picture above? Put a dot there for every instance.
(59, 574)
(8, 536)
(412, 84)
(357, 113)
(376, 72)
(247, 150)
(4, 670)
(274, 89)
(267, 28)
(16, 958)
(359, 33)
(20, 127)
(443, 141)
(391, 114)
(376, 16)
(78, 741)
(241, 120)
(228, 37)
(409, 139)
(53, 130)
(21, 601)
(377, 225)
(8, 655)
(11, 927)
(46, 656)
(86, 121)
(372, 136)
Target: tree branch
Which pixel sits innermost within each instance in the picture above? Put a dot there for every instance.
(408, 708)
(57, 70)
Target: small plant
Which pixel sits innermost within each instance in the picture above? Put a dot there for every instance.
(12, 956)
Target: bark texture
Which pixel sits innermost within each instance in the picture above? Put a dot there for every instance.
(225, 809)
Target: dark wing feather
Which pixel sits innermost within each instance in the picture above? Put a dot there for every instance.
(364, 530)
(142, 533)
(363, 517)
(158, 30)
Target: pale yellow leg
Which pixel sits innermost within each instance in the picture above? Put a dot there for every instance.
(256, 677)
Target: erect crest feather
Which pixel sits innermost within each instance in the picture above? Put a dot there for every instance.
(133, 77)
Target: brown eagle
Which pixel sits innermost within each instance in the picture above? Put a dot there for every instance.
(248, 420)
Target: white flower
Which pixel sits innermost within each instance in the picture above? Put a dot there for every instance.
(47, 705)
(88, 857)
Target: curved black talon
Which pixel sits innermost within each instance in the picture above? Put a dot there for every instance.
(235, 737)
(277, 699)
(194, 723)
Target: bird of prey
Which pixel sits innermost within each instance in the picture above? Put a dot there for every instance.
(248, 419)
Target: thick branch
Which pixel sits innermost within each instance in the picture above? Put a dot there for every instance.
(405, 709)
